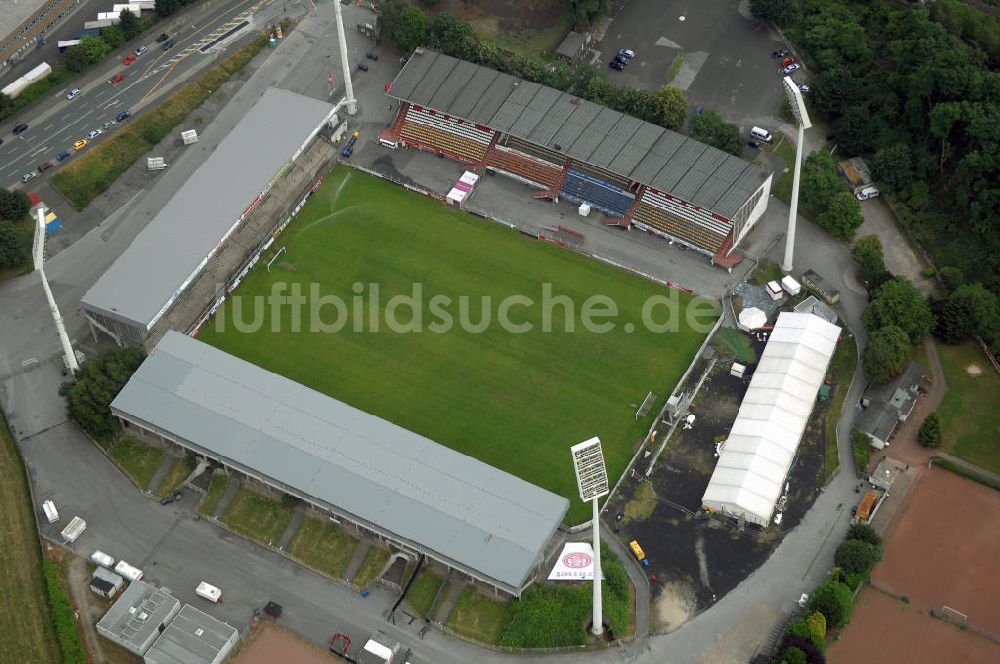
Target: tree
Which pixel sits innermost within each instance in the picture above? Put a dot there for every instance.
(780, 12)
(792, 655)
(970, 309)
(100, 379)
(75, 58)
(708, 127)
(673, 107)
(930, 431)
(129, 24)
(454, 36)
(893, 165)
(412, 30)
(952, 277)
(388, 19)
(6, 105)
(843, 215)
(833, 600)
(867, 253)
(113, 36)
(856, 557)
(94, 48)
(886, 354)
(864, 533)
(820, 182)
(898, 302)
(584, 12)
(14, 204)
(15, 245)
(167, 7)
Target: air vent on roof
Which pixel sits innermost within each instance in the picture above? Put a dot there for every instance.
(557, 147)
(575, 101)
(199, 631)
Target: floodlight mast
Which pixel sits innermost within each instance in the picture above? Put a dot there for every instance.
(38, 255)
(592, 481)
(352, 104)
(798, 106)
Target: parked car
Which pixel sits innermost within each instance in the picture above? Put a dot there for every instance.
(371, 55)
(626, 53)
(169, 44)
(19, 128)
(44, 167)
(754, 144)
(80, 144)
(62, 156)
(73, 93)
(617, 64)
(139, 51)
(362, 66)
(788, 60)
(790, 68)
(803, 88)
(162, 38)
(129, 59)
(177, 495)
(117, 78)
(781, 53)
(124, 115)
(94, 133)
(866, 193)
(28, 176)
(108, 125)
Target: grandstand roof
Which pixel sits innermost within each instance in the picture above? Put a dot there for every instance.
(453, 507)
(756, 456)
(153, 270)
(581, 129)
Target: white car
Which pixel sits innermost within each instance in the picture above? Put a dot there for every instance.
(95, 133)
(866, 193)
(72, 93)
(790, 68)
(139, 51)
(803, 88)
(28, 176)
(108, 125)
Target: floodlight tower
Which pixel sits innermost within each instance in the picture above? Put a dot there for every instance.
(592, 480)
(38, 256)
(794, 96)
(352, 103)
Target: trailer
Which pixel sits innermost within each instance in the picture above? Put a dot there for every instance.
(128, 571)
(63, 45)
(102, 559)
(114, 17)
(92, 29)
(72, 532)
(820, 286)
(51, 513)
(208, 591)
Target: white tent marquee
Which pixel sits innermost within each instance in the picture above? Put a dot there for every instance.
(761, 446)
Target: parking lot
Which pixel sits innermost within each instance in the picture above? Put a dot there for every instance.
(727, 65)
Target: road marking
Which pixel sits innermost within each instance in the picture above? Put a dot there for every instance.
(47, 127)
(112, 104)
(38, 151)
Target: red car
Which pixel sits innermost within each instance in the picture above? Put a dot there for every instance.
(129, 59)
(787, 61)
(118, 78)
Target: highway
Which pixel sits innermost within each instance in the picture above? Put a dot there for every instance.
(56, 123)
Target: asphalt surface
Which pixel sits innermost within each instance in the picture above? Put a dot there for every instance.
(56, 123)
(178, 551)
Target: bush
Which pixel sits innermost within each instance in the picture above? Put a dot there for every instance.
(886, 354)
(833, 600)
(928, 272)
(98, 382)
(867, 253)
(952, 278)
(862, 451)
(63, 617)
(817, 625)
(898, 302)
(930, 431)
(842, 215)
(864, 533)
(15, 245)
(855, 556)
(792, 655)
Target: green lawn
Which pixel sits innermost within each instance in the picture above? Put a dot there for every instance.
(422, 591)
(258, 517)
(180, 468)
(374, 561)
(517, 401)
(478, 617)
(137, 460)
(842, 366)
(970, 419)
(323, 546)
(782, 185)
(27, 634)
(215, 492)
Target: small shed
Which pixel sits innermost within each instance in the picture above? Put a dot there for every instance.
(106, 583)
(572, 47)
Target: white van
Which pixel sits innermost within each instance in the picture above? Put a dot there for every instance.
(51, 513)
(102, 559)
(866, 193)
(761, 134)
(209, 592)
(127, 571)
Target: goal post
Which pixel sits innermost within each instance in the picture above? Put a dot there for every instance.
(647, 405)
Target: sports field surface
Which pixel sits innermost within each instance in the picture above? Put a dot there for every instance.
(517, 401)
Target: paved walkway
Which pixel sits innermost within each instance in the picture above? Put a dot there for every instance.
(636, 575)
(446, 605)
(360, 551)
(227, 497)
(298, 516)
(161, 472)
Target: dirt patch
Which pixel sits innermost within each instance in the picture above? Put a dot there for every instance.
(273, 644)
(675, 605)
(974, 370)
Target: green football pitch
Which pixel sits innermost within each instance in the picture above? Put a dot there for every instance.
(516, 400)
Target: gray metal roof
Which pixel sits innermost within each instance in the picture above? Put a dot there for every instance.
(621, 144)
(173, 246)
(135, 618)
(447, 503)
(890, 401)
(192, 637)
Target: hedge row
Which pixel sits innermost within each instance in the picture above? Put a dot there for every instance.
(63, 617)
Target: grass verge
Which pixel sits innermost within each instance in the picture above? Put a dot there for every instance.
(137, 460)
(478, 617)
(782, 187)
(422, 591)
(967, 473)
(91, 174)
(63, 617)
(180, 468)
(969, 415)
(257, 517)
(675, 67)
(842, 367)
(27, 634)
(215, 493)
(323, 546)
(374, 561)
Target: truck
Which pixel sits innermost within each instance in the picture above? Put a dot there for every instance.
(128, 571)
(820, 286)
(72, 532)
(63, 45)
(208, 591)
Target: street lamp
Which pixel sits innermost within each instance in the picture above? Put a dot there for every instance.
(352, 104)
(795, 100)
(38, 257)
(592, 481)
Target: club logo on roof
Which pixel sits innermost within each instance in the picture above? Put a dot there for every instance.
(577, 560)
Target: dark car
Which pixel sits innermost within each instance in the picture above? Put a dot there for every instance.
(162, 38)
(754, 144)
(177, 495)
(617, 64)
(124, 115)
(20, 127)
(777, 55)
(62, 155)
(169, 44)
(371, 55)
(44, 167)
(363, 66)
